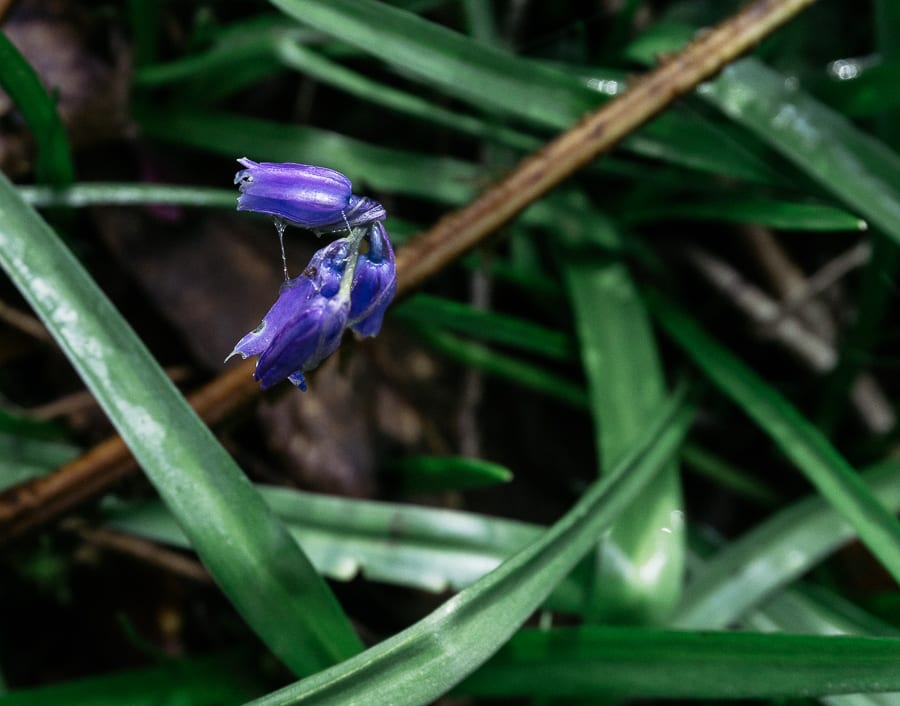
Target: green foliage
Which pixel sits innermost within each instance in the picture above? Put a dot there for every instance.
(592, 304)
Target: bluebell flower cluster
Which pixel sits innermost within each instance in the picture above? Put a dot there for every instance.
(342, 287)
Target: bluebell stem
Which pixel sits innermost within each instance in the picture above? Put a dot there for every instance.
(304, 195)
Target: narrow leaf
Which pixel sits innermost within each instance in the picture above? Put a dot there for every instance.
(425, 660)
(248, 551)
(798, 439)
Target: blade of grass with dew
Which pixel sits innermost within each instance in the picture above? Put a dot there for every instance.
(642, 581)
(426, 309)
(407, 545)
(778, 551)
(783, 215)
(425, 660)
(631, 663)
(798, 439)
(431, 474)
(852, 166)
(197, 682)
(21, 83)
(249, 552)
(493, 80)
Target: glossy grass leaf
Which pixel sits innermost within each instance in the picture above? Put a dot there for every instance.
(19, 80)
(428, 548)
(642, 663)
(253, 558)
(772, 555)
(640, 580)
(801, 442)
(425, 660)
(127, 194)
(855, 168)
(804, 612)
(497, 82)
(407, 545)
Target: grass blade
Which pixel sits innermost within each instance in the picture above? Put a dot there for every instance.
(642, 582)
(19, 80)
(798, 439)
(422, 662)
(772, 555)
(635, 663)
(249, 552)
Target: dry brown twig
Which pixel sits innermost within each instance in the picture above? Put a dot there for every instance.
(40, 501)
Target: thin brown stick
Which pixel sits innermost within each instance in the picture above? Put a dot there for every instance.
(35, 503)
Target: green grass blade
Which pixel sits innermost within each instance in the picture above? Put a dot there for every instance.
(311, 63)
(19, 80)
(500, 83)
(442, 179)
(478, 73)
(249, 552)
(503, 366)
(775, 553)
(127, 194)
(802, 443)
(636, 663)
(407, 545)
(197, 682)
(783, 215)
(427, 548)
(490, 326)
(23, 457)
(726, 475)
(855, 168)
(425, 660)
(642, 582)
(430, 474)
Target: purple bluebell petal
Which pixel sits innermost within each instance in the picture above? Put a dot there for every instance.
(374, 283)
(302, 194)
(305, 341)
(293, 296)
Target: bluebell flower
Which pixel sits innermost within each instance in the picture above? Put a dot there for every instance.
(341, 287)
(306, 323)
(304, 195)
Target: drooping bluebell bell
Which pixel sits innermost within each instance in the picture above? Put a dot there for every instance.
(341, 287)
(317, 198)
(374, 283)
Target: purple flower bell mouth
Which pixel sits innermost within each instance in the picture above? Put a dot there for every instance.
(304, 195)
(341, 287)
